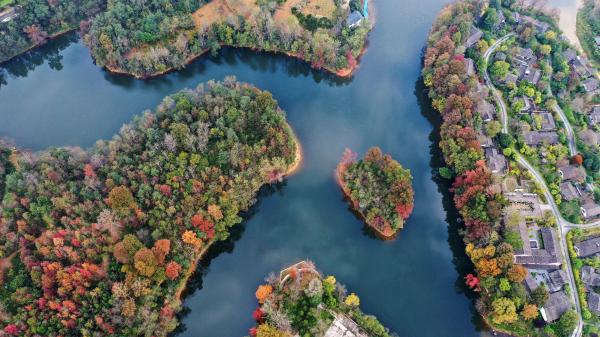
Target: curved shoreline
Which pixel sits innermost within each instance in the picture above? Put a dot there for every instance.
(343, 73)
(292, 169)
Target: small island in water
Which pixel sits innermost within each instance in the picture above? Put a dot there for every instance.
(379, 190)
(301, 302)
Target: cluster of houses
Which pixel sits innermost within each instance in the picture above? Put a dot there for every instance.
(573, 187)
(580, 66)
(540, 252)
(590, 276)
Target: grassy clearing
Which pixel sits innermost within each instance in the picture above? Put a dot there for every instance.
(5, 3)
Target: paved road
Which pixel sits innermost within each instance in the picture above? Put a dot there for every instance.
(488, 81)
(570, 133)
(563, 225)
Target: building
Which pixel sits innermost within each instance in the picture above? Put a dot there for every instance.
(568, 191)
(8, 14)
(342, 326)
(540, 26)
(558, 303)
(510, 78)
(354, 19)
(536, 138)
(594, 117)
(558, 278)
(590, 211)
(484, 141)
(486, 110)
(589, 137)
(588, 247)
(474, 36)
(589, 276)
(590, 84)
(570, 55)
(495, 160)
(593, 301)
(539, 256)
(572, 173)
(525, 55)
(597, 39)
(470, 66)
(500, 56)
(532, 75)
(548, 123)
(528, 105)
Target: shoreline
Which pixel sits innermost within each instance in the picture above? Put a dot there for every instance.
(343, 73)
(294, 168)
(30, 48)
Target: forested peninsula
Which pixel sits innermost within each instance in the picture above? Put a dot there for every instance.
(102, 242)
(150, 38)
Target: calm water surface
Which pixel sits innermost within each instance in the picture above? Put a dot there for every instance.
(57, 96)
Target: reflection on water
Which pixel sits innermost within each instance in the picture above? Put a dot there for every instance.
(414, 284)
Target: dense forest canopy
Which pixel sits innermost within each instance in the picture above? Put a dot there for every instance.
(378, 188)
(588, 29)
(101, 242)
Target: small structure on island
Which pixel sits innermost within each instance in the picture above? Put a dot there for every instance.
(334, 313)
(379, 190)
(354, 19)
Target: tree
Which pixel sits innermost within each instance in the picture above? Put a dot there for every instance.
(577, 160)
(530, 311)
(516, 273)
(566, 324)
(161, 250)
(500, 69)
(145, 262)
(504, 285)
(504, 311)
(172, 270)
(120, 199)
(352, 300)
(493, 128)
(267, 330)
(263, 292)
(491, 18)
(539, 296)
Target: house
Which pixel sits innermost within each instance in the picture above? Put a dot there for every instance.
(8, 14)
(486, 110)
(570, 55)
(500, 56)
(588, 247)
(568, 191)
(581, 69)
(501, 20)
(548, 123)
(540, 26)
(535, 138)
(525, 55)
(532, 75)
(590, 84)
(474, 36)
(495, 160)
(343, 326)
(470, 66)
(594, 117)
(485, 141)
(558, 278)
(510, 78)
(572, 173)
(558, 303)
(589, 276)
(527, 104)
(590, 210)
(589, 137)
(354, 19)
(530, 282)
(597, 39)
(593, 301)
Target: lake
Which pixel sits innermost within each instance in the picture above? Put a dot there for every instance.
(56, 96)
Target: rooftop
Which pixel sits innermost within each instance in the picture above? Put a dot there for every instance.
(588, 247)
(558, 303)
(535, 138)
